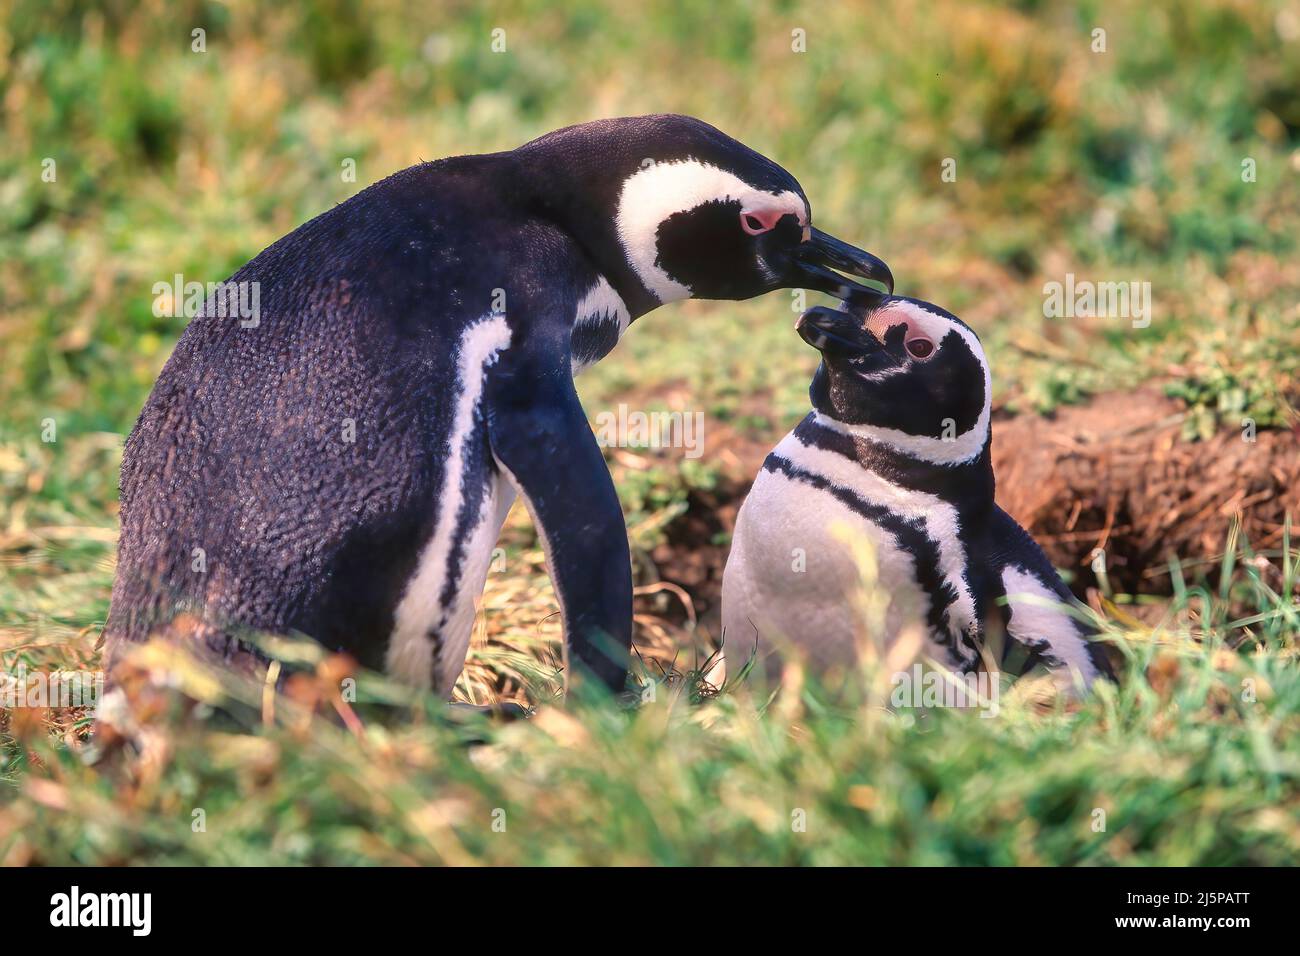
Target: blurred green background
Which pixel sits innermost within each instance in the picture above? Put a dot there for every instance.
(1116, 165)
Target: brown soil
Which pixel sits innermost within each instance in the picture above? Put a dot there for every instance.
(1114, 474)
(1111, 474)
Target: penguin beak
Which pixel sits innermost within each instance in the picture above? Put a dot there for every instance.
(836, 333)
(822, 253)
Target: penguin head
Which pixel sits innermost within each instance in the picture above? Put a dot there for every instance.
(695, 213)
(902, 373)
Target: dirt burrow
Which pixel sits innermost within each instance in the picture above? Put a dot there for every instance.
(1111, 474)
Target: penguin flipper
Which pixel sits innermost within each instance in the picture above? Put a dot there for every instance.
(544, 445)
(1030, 584)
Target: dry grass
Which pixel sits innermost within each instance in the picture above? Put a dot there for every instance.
(1123, 165)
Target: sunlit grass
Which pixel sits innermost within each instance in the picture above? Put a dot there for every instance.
(1192, 759)
(1122, 165)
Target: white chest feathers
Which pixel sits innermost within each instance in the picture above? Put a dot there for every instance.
(599, 322)
(815, 528)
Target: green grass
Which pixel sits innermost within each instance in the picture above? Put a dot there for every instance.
(1114, 166)
(1193, 759)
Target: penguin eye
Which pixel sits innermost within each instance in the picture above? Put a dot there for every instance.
(759, 221)
(920, 348)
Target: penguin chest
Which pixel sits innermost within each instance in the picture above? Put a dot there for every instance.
(827, 553)
(435, 615)
(808, 570)
(599, 321)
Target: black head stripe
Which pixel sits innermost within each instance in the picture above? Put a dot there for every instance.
(920, 401)
(710, 226)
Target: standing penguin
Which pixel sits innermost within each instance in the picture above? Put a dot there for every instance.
(342, 464)
(896, 450)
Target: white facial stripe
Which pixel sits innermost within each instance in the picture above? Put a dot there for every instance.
(937, 516)
(932, 325)
(1037, 618)
(420, 614)
(657, 191)
(601, 304)
(936, 451)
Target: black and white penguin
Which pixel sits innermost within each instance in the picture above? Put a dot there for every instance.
(897, 452)
(341, 466)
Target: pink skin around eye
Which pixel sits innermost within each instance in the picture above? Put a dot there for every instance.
(757, 221)
(918, 344)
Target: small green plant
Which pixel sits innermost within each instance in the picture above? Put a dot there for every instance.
(1253, 393)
